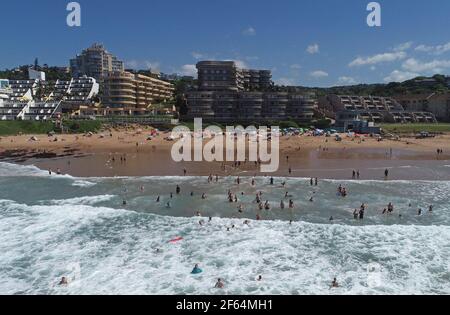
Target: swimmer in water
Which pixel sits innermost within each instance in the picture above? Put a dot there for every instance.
(334, 284)
(259, 278)
(311, 199)
(241, 208)
(196, 269)
(291, 204)
(219, 284)
(203, 196)
(355, 214)
(168, 205)
(124, 203)
(49, 172)
(63, 281)
(282, 205)
(419, 212)
(178, 190)
(267, 205)
(430, 208)
(158, 199)
(271, 181)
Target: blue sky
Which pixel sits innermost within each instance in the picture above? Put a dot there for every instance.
(304, 42)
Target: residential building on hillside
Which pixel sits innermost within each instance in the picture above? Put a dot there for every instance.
(227, 93)
(438, 104)
(227, 76)
(214, 106)
(95, 62)
(125, 93)
(371, 108)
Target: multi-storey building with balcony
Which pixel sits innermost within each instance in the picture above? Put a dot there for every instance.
(438, 104)
(229, 107)
(95, 62)
(229, 94)
(226, 76)
(371, 108)
(126, 93)
(22, 89)
(220, 76)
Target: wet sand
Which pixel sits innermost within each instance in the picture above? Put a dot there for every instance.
(100, 156)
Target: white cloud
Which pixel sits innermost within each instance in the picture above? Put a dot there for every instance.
(295, 66)
(241, 64)
(403, 46)
(313, 49)
(346, 80)
(319, 74)
(250, 31)
(189, 70)
(197, 55)
(285, 81)
(152, 65)
(400, 76)
(435, 50)
(375, 59)
(435, 66)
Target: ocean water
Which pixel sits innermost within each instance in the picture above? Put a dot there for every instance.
(54, 226)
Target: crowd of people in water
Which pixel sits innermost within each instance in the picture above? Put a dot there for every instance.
(261, 204)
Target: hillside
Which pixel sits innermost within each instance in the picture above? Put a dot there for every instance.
(420, 85)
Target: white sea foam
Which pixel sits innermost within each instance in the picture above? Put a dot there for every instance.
(115, 251)
(87, 200)
(83, 183)
(10, 170)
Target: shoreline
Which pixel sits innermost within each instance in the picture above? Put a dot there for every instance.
(99, 155)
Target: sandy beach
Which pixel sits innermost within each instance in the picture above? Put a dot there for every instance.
(99, 155)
